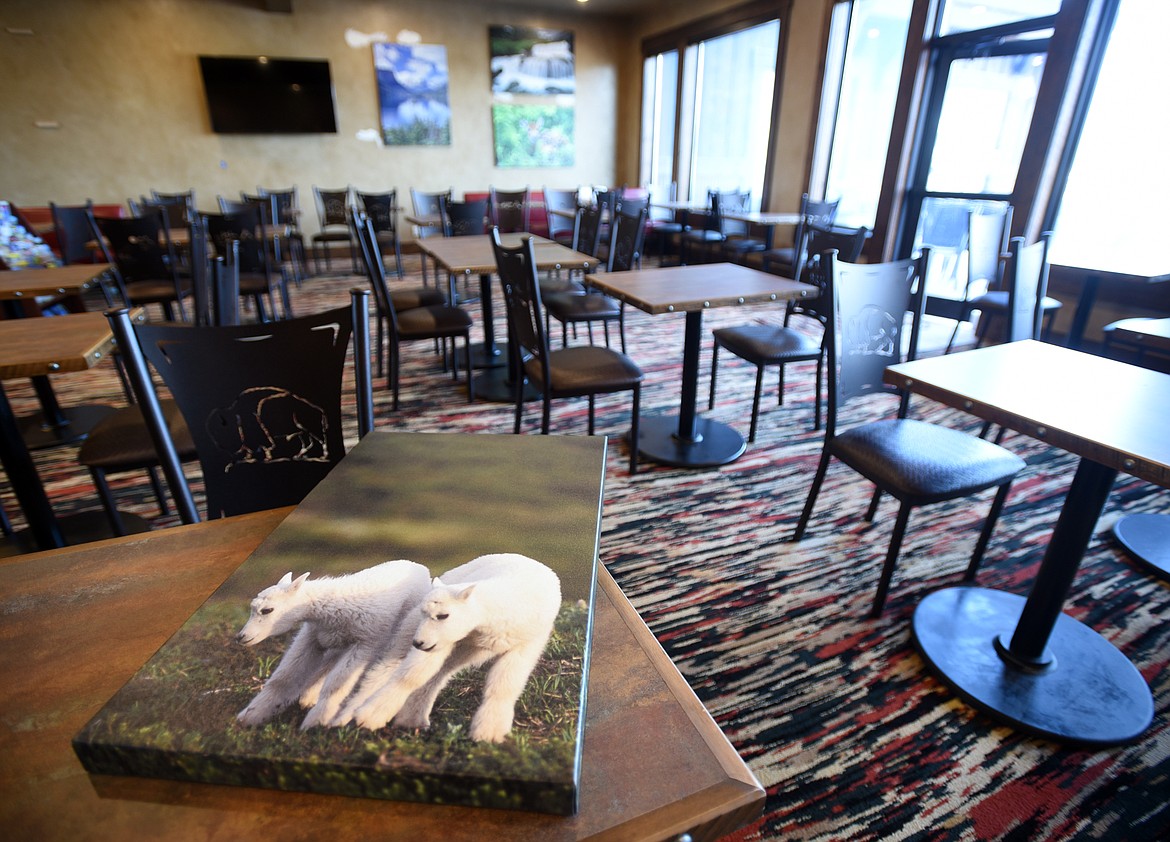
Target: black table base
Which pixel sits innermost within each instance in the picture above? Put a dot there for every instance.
(1146, 539)
(73, 425)
(713, 444)
(1089, 692)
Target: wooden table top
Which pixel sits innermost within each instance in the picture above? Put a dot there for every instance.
(474, 256)
(677, 289)
(52, 344)
(1154, 333)
(762, 218)
(1107, 411)
(77, 623)
(60, 280)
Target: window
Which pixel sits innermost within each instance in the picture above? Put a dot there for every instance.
(1119, 171)
(866, 43)
(707, 120)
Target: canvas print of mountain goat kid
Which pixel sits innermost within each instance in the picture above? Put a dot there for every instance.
(454, 672)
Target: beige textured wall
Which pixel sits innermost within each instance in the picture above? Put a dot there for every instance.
(122, 80)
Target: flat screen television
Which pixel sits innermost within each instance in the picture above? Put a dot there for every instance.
(265, 95)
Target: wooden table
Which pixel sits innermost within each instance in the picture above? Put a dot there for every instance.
(78, 623)
(1146, 536)
(37, 348)
(473, 255)
(690, 440)
(1025, 661)
(62, 280)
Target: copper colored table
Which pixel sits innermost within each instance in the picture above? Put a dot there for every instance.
(690, 440)
(77, 623)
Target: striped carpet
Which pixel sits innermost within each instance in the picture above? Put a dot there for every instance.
(835, 712)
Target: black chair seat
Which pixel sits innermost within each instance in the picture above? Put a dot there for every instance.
(568, 307)
(768, 344)
(122, 442)
(154, 292)
(413, 297)
(331, 237)
(703, 235)
(919, 462)
(586, 369)
(428, 322)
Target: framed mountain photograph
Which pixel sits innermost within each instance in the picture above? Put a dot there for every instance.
(417, 629)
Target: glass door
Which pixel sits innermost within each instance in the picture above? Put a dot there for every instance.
(976, 118)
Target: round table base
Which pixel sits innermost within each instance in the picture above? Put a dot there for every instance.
(1146, 538)
(493, 385)
(1091, 694)
(79, 420)
(481, 357)
(715, 444)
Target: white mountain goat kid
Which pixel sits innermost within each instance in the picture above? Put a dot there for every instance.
(347, 623)
(500, 606)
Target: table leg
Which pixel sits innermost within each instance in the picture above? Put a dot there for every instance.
(690, 440)
(26, 483)
(1085, 302)
(57, 425)
(1027, 663)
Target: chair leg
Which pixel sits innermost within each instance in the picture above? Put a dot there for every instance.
(756, 403)
(159, 493)
(879, 600)
(822, 469)
(592, 413)
(714, 374)
(634, 429)
(108, 502)
(871, 512)
(470, 379)
(985, 533)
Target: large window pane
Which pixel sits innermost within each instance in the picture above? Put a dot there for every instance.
(659, 106)
(1115, 206)
(875, 34)
(986, 112)
(736, 78)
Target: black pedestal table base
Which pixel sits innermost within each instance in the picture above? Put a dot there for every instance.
(1088, 692)
(1146, 538)
(74, 424)
(713, 444)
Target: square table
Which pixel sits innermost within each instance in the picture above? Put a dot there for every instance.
(36, 348)
(1021, 660)
(473, 255)
(690, 440)
(79, 622)
(1145, 267)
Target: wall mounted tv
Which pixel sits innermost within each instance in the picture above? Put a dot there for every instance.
(266, 95)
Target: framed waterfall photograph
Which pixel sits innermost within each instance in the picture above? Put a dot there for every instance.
(530, 60)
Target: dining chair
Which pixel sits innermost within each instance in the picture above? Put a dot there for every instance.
(987, 236)
(382, 209)
(333, 215)
(510, 210)
(464, 219)
(995, 306)
(768, 344)
(703, 240)
(914, 461)
(259, 279)
(578, 371)
(286, 225)
(560, 227)
(440, 322)
(663, 228)
(74, 234)
(402, 298)
(263, 402)
(143, 260)
(624, 253)
(786, 260)
(739, 239)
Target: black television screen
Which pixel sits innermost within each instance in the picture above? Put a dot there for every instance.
(264, 95)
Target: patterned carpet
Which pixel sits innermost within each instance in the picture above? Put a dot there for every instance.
(835, 713)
